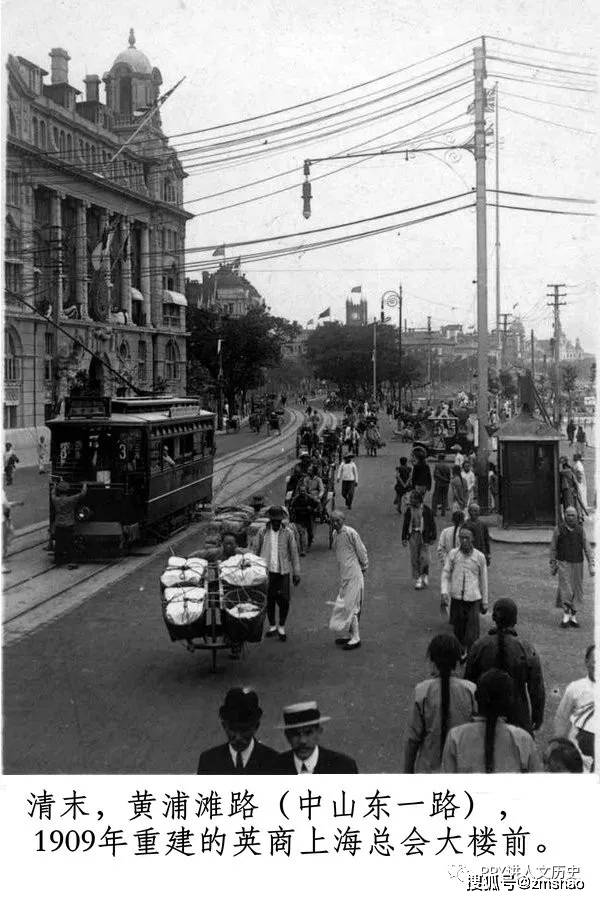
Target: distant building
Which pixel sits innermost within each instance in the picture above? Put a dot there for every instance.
(94, 240)
(296, 349)
(229, 292)
(356, 313)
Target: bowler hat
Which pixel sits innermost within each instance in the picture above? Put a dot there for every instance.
(302, 715)
(241, 707)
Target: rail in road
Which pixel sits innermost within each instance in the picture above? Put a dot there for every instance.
(37, 592)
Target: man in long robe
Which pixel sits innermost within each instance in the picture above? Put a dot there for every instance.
(353, 562)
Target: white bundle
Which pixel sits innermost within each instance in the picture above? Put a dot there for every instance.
(197, 594)
(187, 610)
(244, 570)
(181, 578)
(171, 578)
(196, 563)
(176, 562)
(244, 611)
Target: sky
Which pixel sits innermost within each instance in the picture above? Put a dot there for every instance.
(243, 58)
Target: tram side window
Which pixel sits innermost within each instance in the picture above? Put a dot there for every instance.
(209, 439)
(186, 446)
(199, 442)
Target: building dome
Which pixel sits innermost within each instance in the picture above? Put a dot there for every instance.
(134, 58)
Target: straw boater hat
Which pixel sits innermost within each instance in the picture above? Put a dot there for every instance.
(301, 715)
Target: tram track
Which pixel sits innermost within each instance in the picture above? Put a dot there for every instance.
(267, 475)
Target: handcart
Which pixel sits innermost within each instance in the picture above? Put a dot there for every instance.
(217, 629)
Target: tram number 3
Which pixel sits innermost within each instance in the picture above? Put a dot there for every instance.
(71, 840)
(122, 451)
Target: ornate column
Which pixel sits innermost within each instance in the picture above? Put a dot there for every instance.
(81, 250)
(126, 267)
(56, 245)
(145, 280)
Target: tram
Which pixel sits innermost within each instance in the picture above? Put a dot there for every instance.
(148, 464)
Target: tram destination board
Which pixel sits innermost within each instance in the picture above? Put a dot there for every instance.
(87, 407)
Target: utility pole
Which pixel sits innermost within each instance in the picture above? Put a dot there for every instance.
(399, 347)
(482, 294)
(429, 370)
(497, 137)
(556, 304)
(503, 332)
(375, 360)
(532, 354)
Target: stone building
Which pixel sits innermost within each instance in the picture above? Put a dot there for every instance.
(94, 238)
(356, 313)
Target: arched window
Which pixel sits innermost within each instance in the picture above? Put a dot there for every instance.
(36, 133)
(56, 138)
(172, 361)
(42, 143)
(12, 358)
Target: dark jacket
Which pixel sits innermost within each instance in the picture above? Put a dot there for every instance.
(303, 508)
(421, 475)
(429, 529)
(523, 664)
(329, 763)
(481, 538)
(218, 761)
(442, 474)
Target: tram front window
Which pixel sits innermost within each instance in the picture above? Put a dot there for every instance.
(103, 455)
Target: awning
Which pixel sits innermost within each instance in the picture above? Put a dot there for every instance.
(136, 295)
(174, 297)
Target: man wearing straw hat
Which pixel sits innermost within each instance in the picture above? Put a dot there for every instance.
(240, 717)
(302, 727)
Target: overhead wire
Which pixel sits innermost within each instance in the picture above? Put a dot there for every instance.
(541, 83)
(526, 115)
(533, 64)
(315, 100)
(504, 40)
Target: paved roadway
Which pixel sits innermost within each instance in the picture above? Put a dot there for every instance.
(102, 689)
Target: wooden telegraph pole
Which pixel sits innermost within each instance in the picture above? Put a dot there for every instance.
(482, 294)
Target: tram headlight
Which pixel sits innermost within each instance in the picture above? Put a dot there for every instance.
(83, 514)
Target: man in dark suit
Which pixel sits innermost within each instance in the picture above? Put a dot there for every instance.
(242, 754)
(302, 726)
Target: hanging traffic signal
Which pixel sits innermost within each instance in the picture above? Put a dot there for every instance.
(306, 197)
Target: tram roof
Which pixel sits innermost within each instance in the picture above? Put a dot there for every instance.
(139, 411)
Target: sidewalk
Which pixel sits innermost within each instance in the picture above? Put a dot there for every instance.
(33, 489)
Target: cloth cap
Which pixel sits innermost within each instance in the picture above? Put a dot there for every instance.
(241, 708)
(301, 715)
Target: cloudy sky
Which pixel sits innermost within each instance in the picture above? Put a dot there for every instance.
(243, 58)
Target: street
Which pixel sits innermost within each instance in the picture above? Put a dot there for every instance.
(102, 689)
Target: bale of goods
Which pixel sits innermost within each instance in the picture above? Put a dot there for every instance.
(210, 552)
(244, 611)
(184, 594)
(244, 570)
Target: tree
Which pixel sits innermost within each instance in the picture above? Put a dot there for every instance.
(343, 354)
(250, 343)
(569, 374)
(507, 383)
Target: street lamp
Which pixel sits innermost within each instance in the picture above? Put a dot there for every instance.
(392, 299)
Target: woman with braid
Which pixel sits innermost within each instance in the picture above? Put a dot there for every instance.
(503, 649)
(488, 743)
(440, 703)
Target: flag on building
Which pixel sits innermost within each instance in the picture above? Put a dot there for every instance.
(220, 251)
(326, 314)
(102, 249)
(357, 289)
(310, 322)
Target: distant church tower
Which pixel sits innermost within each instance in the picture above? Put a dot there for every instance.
(356, 313)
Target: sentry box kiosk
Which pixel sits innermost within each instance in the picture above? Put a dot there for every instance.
(528, 454)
